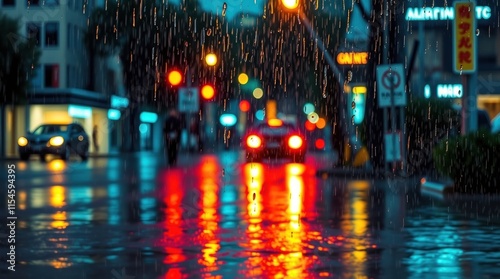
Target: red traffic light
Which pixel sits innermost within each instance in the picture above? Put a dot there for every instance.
(207, 92)
(174, 77)
(244, 105)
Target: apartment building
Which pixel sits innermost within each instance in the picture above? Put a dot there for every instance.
(63, 89)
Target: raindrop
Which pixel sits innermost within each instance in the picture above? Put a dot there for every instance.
(353, 105)
(352, 120)
(209, 31)
(223, 172)
(461, 68)
(254, 195)
(224, 8)
(477, 32)
(324, 95)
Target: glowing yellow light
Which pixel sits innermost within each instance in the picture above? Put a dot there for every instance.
(22, 141)
(211, 59)
(275, 122)
(359, 90)
(57, 196)
(56, 141)
(243, 78)
(207, 92)
(290, 4)
(174, 77)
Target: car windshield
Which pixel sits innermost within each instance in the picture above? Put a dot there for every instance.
(276, 130)
(50, 129)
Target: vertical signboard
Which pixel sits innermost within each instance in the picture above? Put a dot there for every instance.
(464, 37)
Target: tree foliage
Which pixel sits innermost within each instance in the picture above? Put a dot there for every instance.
(18, 59)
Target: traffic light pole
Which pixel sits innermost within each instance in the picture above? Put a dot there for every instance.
(348, 127)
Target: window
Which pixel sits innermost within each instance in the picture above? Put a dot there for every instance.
(37, 77)
(33, 31)
(8, 3)
(51, 74)
(51, 33)
(32, 3)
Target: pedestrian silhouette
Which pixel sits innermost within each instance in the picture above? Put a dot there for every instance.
(172, 135)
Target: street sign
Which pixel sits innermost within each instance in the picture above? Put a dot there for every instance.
(189, 100)
(391, 81)
(464, 37)
(392, 146)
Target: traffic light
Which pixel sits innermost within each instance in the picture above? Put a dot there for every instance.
(244, 105)
(207, 92)
(174, 77)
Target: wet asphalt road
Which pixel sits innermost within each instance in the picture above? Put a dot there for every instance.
(215, 216)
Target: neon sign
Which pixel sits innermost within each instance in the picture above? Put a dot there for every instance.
(443, 13)
(351, 58)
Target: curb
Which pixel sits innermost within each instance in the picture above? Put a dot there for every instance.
(438, 189)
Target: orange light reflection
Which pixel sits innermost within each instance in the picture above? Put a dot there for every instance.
(355, 228)
(208, 217)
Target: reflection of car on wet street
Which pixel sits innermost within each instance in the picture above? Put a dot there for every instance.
(273, 139)
(57, 139)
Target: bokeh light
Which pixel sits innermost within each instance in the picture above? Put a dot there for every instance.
(319, 143)
(258, 93)
(244, 105)
(211, 59)
(243, 78)
(309, 126)
(313, 117)
(207, 92)
(321, 123)
(308, 108)
(174, 77)
(260, 114)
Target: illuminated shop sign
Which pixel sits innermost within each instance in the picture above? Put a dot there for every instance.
(445, 91)
(464, 30)
(352, 58)
(148, 117)
(114, 114)
(79, 111)
(449, 91)
(443, 13)
(119, 102)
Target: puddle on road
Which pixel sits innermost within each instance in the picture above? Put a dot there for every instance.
(256, 220)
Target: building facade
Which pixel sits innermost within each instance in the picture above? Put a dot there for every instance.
(68, 85)
(431, 22)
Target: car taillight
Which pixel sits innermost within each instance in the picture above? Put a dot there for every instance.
(254, 141)
(295, 142)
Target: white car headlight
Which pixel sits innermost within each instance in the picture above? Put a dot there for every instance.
(56, 141)
(22, 141)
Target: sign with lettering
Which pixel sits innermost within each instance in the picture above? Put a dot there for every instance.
(442, 13)
(352, 58)
(391, 85)
(189, 100)
(464, 37)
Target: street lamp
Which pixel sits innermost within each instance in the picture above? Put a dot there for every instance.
(211, 59)
(348, 128)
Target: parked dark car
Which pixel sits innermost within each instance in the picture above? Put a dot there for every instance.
(274, 139)
(57, 139)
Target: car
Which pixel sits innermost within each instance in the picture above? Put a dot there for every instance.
(272, 139)
(56, 139)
